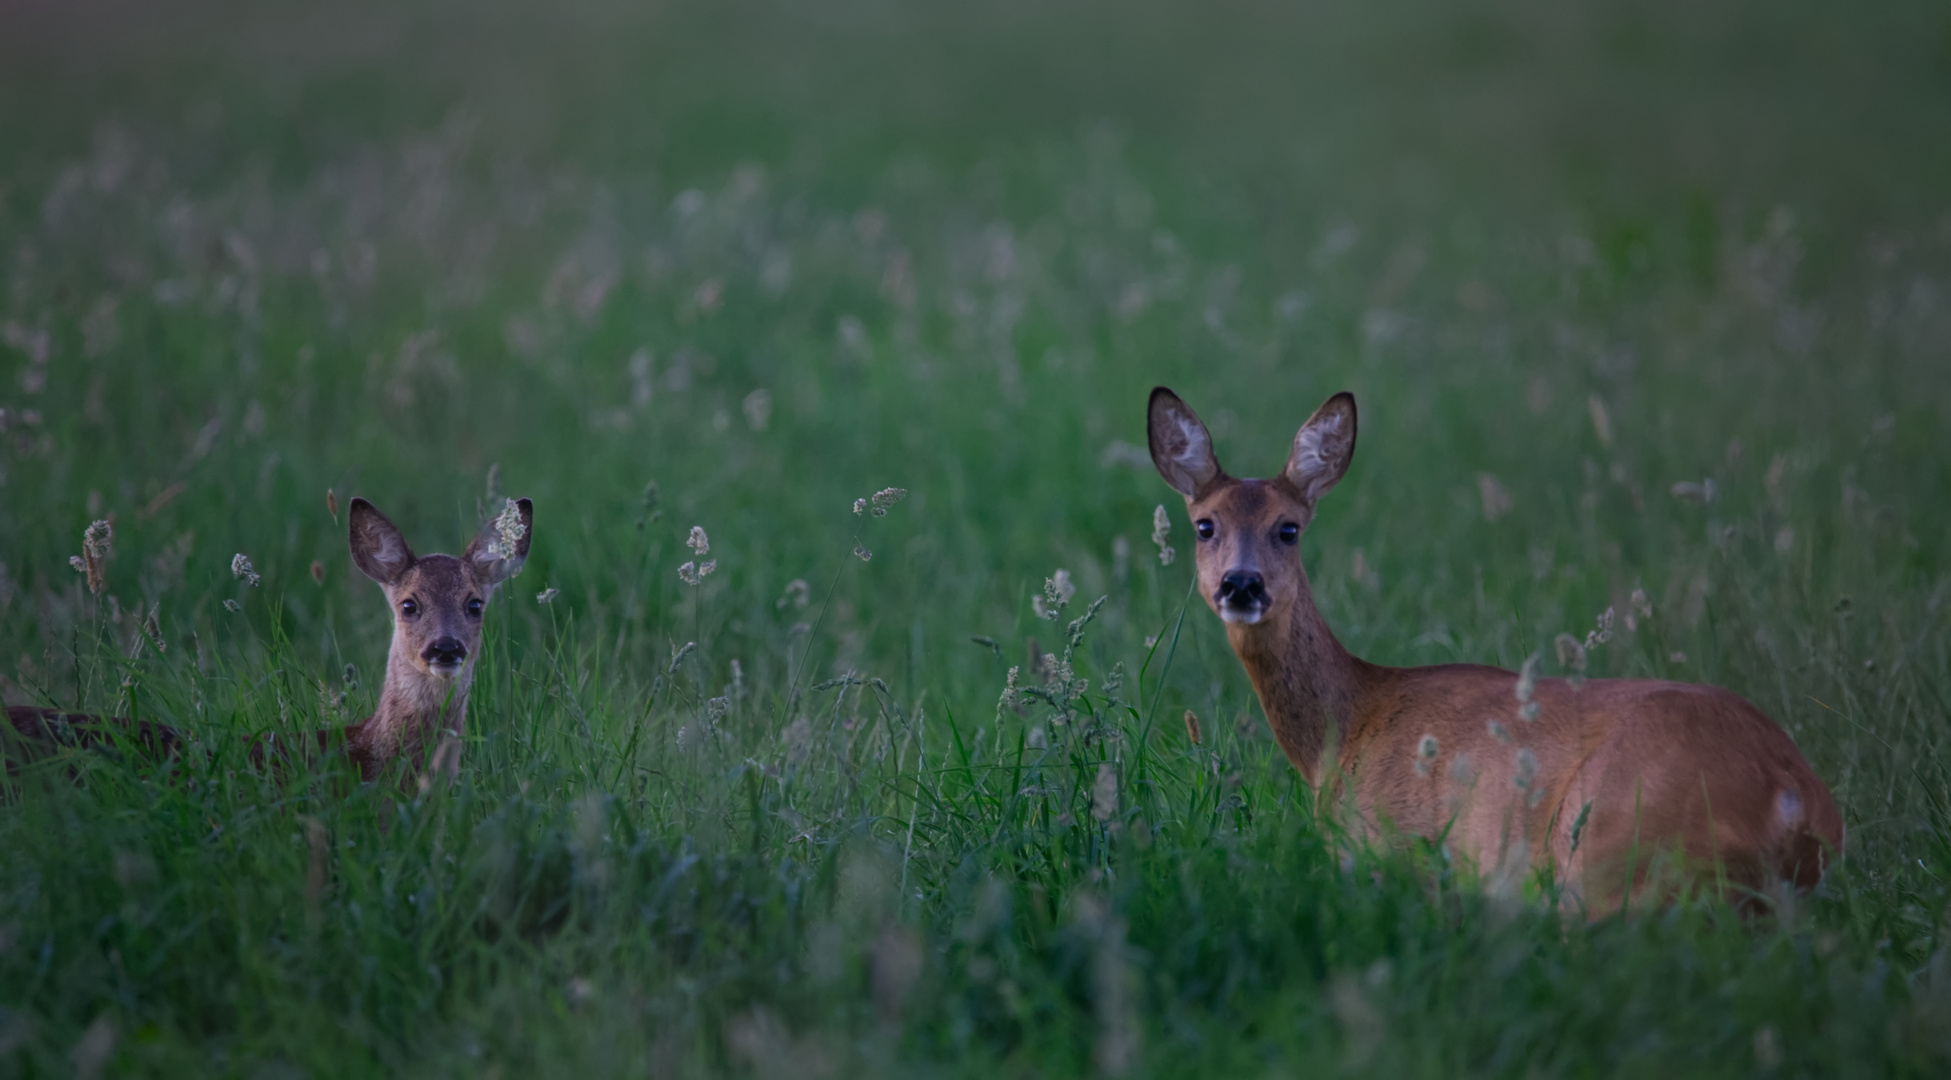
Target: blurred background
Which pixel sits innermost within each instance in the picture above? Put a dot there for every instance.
(1642, 298)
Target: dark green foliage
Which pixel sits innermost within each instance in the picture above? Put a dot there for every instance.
(740, 265)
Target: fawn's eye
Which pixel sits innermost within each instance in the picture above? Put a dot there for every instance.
(1205, 527)
(474, 606)
(409, 607)
(1290, 533)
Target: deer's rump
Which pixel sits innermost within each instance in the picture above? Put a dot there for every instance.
(33, 733)
(1609, 779)
(1704, 772)
(36, 734)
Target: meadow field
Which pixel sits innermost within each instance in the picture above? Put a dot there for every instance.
(1647, 307)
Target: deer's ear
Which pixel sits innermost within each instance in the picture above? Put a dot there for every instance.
(1182, 449)
(499, 549)
(1323, 448)
(378, 549)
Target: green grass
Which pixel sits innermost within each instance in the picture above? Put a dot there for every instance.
(410, 254)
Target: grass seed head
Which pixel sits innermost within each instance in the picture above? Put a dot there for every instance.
(1578, 824)
(797, 594)
(1571, 654)
(860, 507)
(861, 553)
(698, 541)
(1161, 535)
(693, 573)
(1768, 1048)
(1601, 420)
(1527, 678)
(894, 963)
(1057, 591)
(547, 595)
(332, 504)
(1525, 772)
(1496, 499)
(242, 570)
(92, 1054)
(1637, 608)
(1602, 633)
(887, 497)
(1192, 726)
(1698, 494)
(758, 409)
(97, 544)
(1104, 793)
(153, 630)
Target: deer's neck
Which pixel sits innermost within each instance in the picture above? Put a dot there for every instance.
(1308, 684)
(417, 714)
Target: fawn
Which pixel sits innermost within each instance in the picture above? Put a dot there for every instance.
(438, 602)
(1599, 783)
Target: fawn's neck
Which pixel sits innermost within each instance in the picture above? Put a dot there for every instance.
(418, 714)
(1308, 684)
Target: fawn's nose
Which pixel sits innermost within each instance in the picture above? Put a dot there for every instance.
(445, 651)
(1242, 588)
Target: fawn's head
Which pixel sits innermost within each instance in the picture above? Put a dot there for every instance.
(1249, 531)
(438, 600)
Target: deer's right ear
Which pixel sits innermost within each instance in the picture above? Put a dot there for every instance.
(1182, 449)
(378, 549)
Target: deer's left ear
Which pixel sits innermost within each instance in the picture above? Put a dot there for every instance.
(499, 549)
(1323, 448)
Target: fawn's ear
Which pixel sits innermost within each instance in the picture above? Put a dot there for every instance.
(1323, 448)
(378, 549)
(1182, 449)
(498, 550)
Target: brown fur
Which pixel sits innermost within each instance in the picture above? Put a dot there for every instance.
(422, 713)
(1686, 785)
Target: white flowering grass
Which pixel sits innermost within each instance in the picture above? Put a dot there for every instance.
(760, 806)
(242, 570)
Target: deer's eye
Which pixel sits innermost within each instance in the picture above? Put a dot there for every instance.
(474, 606)
(409, 607)
(1290, 533)
(1205, 527)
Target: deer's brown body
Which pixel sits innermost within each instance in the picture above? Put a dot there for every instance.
(438, 603)
(1619, 786)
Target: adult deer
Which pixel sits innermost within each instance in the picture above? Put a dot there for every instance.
(1601, 782)
(438, 604)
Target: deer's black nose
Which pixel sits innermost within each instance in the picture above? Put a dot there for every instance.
(447, 650)
(1242, 588)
